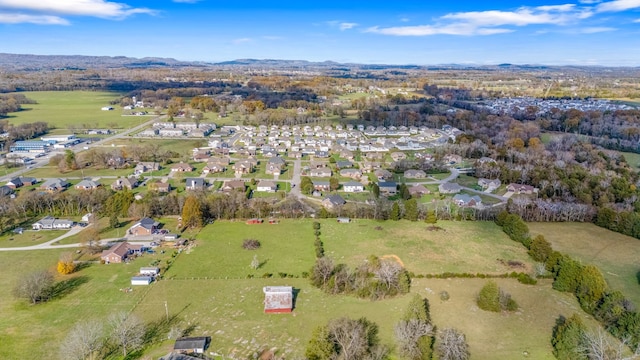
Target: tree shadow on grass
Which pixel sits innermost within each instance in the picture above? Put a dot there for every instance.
(66, 287)
(638, 276)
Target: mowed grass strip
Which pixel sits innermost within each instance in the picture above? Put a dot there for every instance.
(615, 254)
(63, 109)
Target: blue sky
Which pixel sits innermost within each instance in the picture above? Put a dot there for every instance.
(582, 32)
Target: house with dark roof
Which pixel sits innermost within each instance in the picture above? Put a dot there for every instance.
(53, 185)
(333, 201)
(87, 184)
(146, 226)
(388, 187)
(195, 184)
(129, 183)
(192, 345)
(353, 186)
(321, 185)
(6, 191)
(344, 164)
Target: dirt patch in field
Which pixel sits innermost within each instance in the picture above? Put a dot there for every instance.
(394, 257)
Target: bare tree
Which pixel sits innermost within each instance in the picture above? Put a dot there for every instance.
(598, 345)
(452, 345)
(322, 271)
(387, 273)
(356, 339)
(83, 341)
(127, 331)
(408, 334)
(35, 286)
(255, 263)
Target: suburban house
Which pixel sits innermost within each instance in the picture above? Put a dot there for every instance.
(489, 184)
(159, 186)
(320, 172)
(466, 200)
(216, 165)
(388, 187)
(278, 299)
(53, 185)
(353, 186)
(449, 188)
(418, 190)
(321, 185)
(344, 164)
(129, 183)
(383, 174)
(415, 174)
(195, 184)
(51, 223)
(6, 191)
(452, 159)
(87, 184)
(233, 185)
(268, 186)
(333, 201)
(21, 181)
(117, 253)
(275, 165)
(192, 345)
(244, 166)
(351, 173)
(181, 167)
(143, 167)
(146, 226)
(397, 156)
(521, 188)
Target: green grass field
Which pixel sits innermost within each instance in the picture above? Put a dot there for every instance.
(615, 254)
(633, 159)
(28, 237)
(78, 109)
(208, 289)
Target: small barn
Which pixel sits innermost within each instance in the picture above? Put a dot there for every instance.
(141, 280)
(254, 221)
(344, 220)
(278, 299)
(149, 271)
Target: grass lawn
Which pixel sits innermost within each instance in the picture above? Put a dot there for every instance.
(231, 312)
(52, 172)
(207, 288)
(633, 159)
(29, 238)
(615, 254)
(461, 247)
(78, 109)
(181, 146)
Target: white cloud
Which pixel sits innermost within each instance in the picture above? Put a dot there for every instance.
(426, 30)
(9, 18)
(618, 5)
(241, 41)
(636, 21)
(590, 1)
(94, 8)
(596, 29)
(405, 19)
(492, 21)
(347, 26)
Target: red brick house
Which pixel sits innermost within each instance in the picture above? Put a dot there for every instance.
(145, 226)
(116, 254)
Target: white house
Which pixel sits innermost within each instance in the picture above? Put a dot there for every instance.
(149, 271)
(353, 186)
(51, 223)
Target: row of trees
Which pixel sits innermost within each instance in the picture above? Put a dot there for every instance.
(617, 314)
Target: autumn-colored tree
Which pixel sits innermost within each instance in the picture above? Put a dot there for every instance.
(192, 213)
(65, 264)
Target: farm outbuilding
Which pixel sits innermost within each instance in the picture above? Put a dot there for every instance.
(141, 280)
(278, 299)
(255, 221)
(344, 220)
(149, 271)
(190, 345)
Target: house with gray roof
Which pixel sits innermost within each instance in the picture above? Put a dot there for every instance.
(51, 223)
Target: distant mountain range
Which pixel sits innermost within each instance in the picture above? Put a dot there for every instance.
(44, 62)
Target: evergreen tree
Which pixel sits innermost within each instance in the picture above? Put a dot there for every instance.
(431, 217)
(567, 338)
(395, 212)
